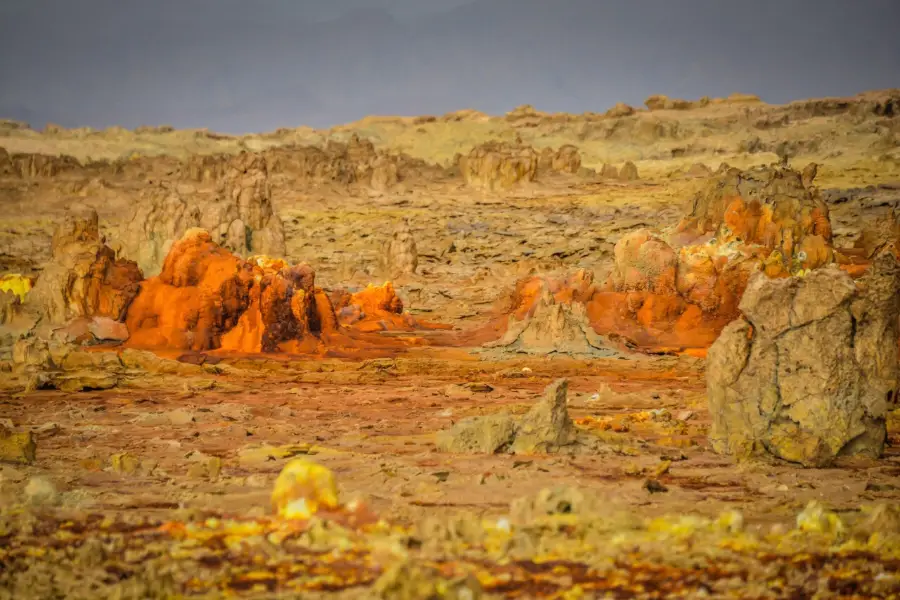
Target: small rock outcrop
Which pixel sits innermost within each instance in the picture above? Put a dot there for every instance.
(809, 371)
(201, 293)
(545, 429)
(83, 278)
(32, 166)
(401, 255)
(547, 316)
(498, 165)
(17, 447)
(567, 159)
(552, 327)
(629, 172)
(609, 171)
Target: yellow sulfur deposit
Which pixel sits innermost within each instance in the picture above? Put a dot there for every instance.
(302, 488)
(19, 285)
(815, 519)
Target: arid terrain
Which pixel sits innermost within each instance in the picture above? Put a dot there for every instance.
(650, 353)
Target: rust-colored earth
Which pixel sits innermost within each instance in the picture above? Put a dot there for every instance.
(208, 319)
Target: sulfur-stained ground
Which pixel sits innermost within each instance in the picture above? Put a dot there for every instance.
(163, 488)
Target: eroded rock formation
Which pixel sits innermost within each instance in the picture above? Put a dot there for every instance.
(545, 429)
(401, 254)
(207, 298)
(809, 371)
(83, 278)
(550, 318)
(200, 294)
(29, 166)
(628, 172)
(677, 291)
(766, 206)
(498, 165)
(501, 165)
(239, 216)
(567, 159)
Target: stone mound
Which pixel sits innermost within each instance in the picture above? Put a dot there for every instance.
(551, 326)
(499, 165)
(809, 371)
(629, 172)
(545, 429)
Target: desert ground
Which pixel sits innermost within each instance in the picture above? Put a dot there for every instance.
(650, 353)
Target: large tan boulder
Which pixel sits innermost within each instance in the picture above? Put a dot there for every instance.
(809, 371)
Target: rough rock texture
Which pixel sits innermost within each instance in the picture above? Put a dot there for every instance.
(479, 435)
(242, 218)
(882, 234)
(658, 297)
(498, 165)
(284, 306)
(565, 160)
(552, 327)
(239, 216)
(200, 294)
(9, 303)
(83, 278)
(159, 219)
(30, 166)
(629, 172)
(356, 162)
(207, 298)
(545, 429)
(54, 363)
(17, 447)
(768, 206)
(609, 171)
(810, 370)
(401, 255)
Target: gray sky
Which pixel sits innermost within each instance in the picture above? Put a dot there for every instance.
(255, 65)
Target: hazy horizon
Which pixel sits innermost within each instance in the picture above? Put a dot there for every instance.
(237, 66)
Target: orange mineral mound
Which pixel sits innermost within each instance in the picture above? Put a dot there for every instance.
(678, 292)
(206, 298)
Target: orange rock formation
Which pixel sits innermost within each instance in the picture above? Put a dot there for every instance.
(206, 298)
(678, 294)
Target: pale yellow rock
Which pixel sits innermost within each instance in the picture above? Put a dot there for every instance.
(302, 488)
